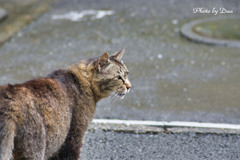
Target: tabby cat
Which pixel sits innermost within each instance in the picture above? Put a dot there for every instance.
(47, 117)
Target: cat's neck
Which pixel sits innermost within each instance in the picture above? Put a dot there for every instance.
(83, 72)
(85, 99)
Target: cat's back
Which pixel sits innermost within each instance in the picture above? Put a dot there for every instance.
(41, 105)
(32, 90)
(39, 96)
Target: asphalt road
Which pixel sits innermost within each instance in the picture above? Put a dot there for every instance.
(102, 145)
(172, 78)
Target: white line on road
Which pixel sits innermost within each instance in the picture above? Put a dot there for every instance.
(169, 124)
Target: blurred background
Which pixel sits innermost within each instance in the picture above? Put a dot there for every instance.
(173, 77)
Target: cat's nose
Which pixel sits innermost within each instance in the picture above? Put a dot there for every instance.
(128, 85)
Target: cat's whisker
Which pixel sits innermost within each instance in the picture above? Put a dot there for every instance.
(110, 97)
(113, 97)
(116, 97)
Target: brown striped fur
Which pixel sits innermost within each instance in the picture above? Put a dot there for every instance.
(46, 118)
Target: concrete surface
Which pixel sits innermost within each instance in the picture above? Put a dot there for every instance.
(187, 31)
(102, 144)
(173, 79)
(20, 13)
(171, 124)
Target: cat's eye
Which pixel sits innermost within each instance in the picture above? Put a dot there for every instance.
(119, 77)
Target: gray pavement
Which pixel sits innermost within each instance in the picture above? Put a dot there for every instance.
(173, 78)
(15, 14)
(102, 144)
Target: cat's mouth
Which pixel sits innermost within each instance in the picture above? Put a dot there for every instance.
(121, 95)
(115, 95)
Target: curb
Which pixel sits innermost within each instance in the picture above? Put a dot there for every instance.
(145, 127)
(187, 32)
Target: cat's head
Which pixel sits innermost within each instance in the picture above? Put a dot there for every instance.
(111, 76)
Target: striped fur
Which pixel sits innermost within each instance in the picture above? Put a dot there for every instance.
(47, 117)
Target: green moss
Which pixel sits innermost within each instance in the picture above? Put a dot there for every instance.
(219, 29)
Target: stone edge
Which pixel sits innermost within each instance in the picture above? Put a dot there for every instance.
(187, 32)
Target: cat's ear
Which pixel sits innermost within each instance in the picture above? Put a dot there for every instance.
(119, 55)
(103, 62)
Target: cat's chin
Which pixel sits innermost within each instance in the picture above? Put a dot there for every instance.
(122, 97)
(116, 95)
(121, 94)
